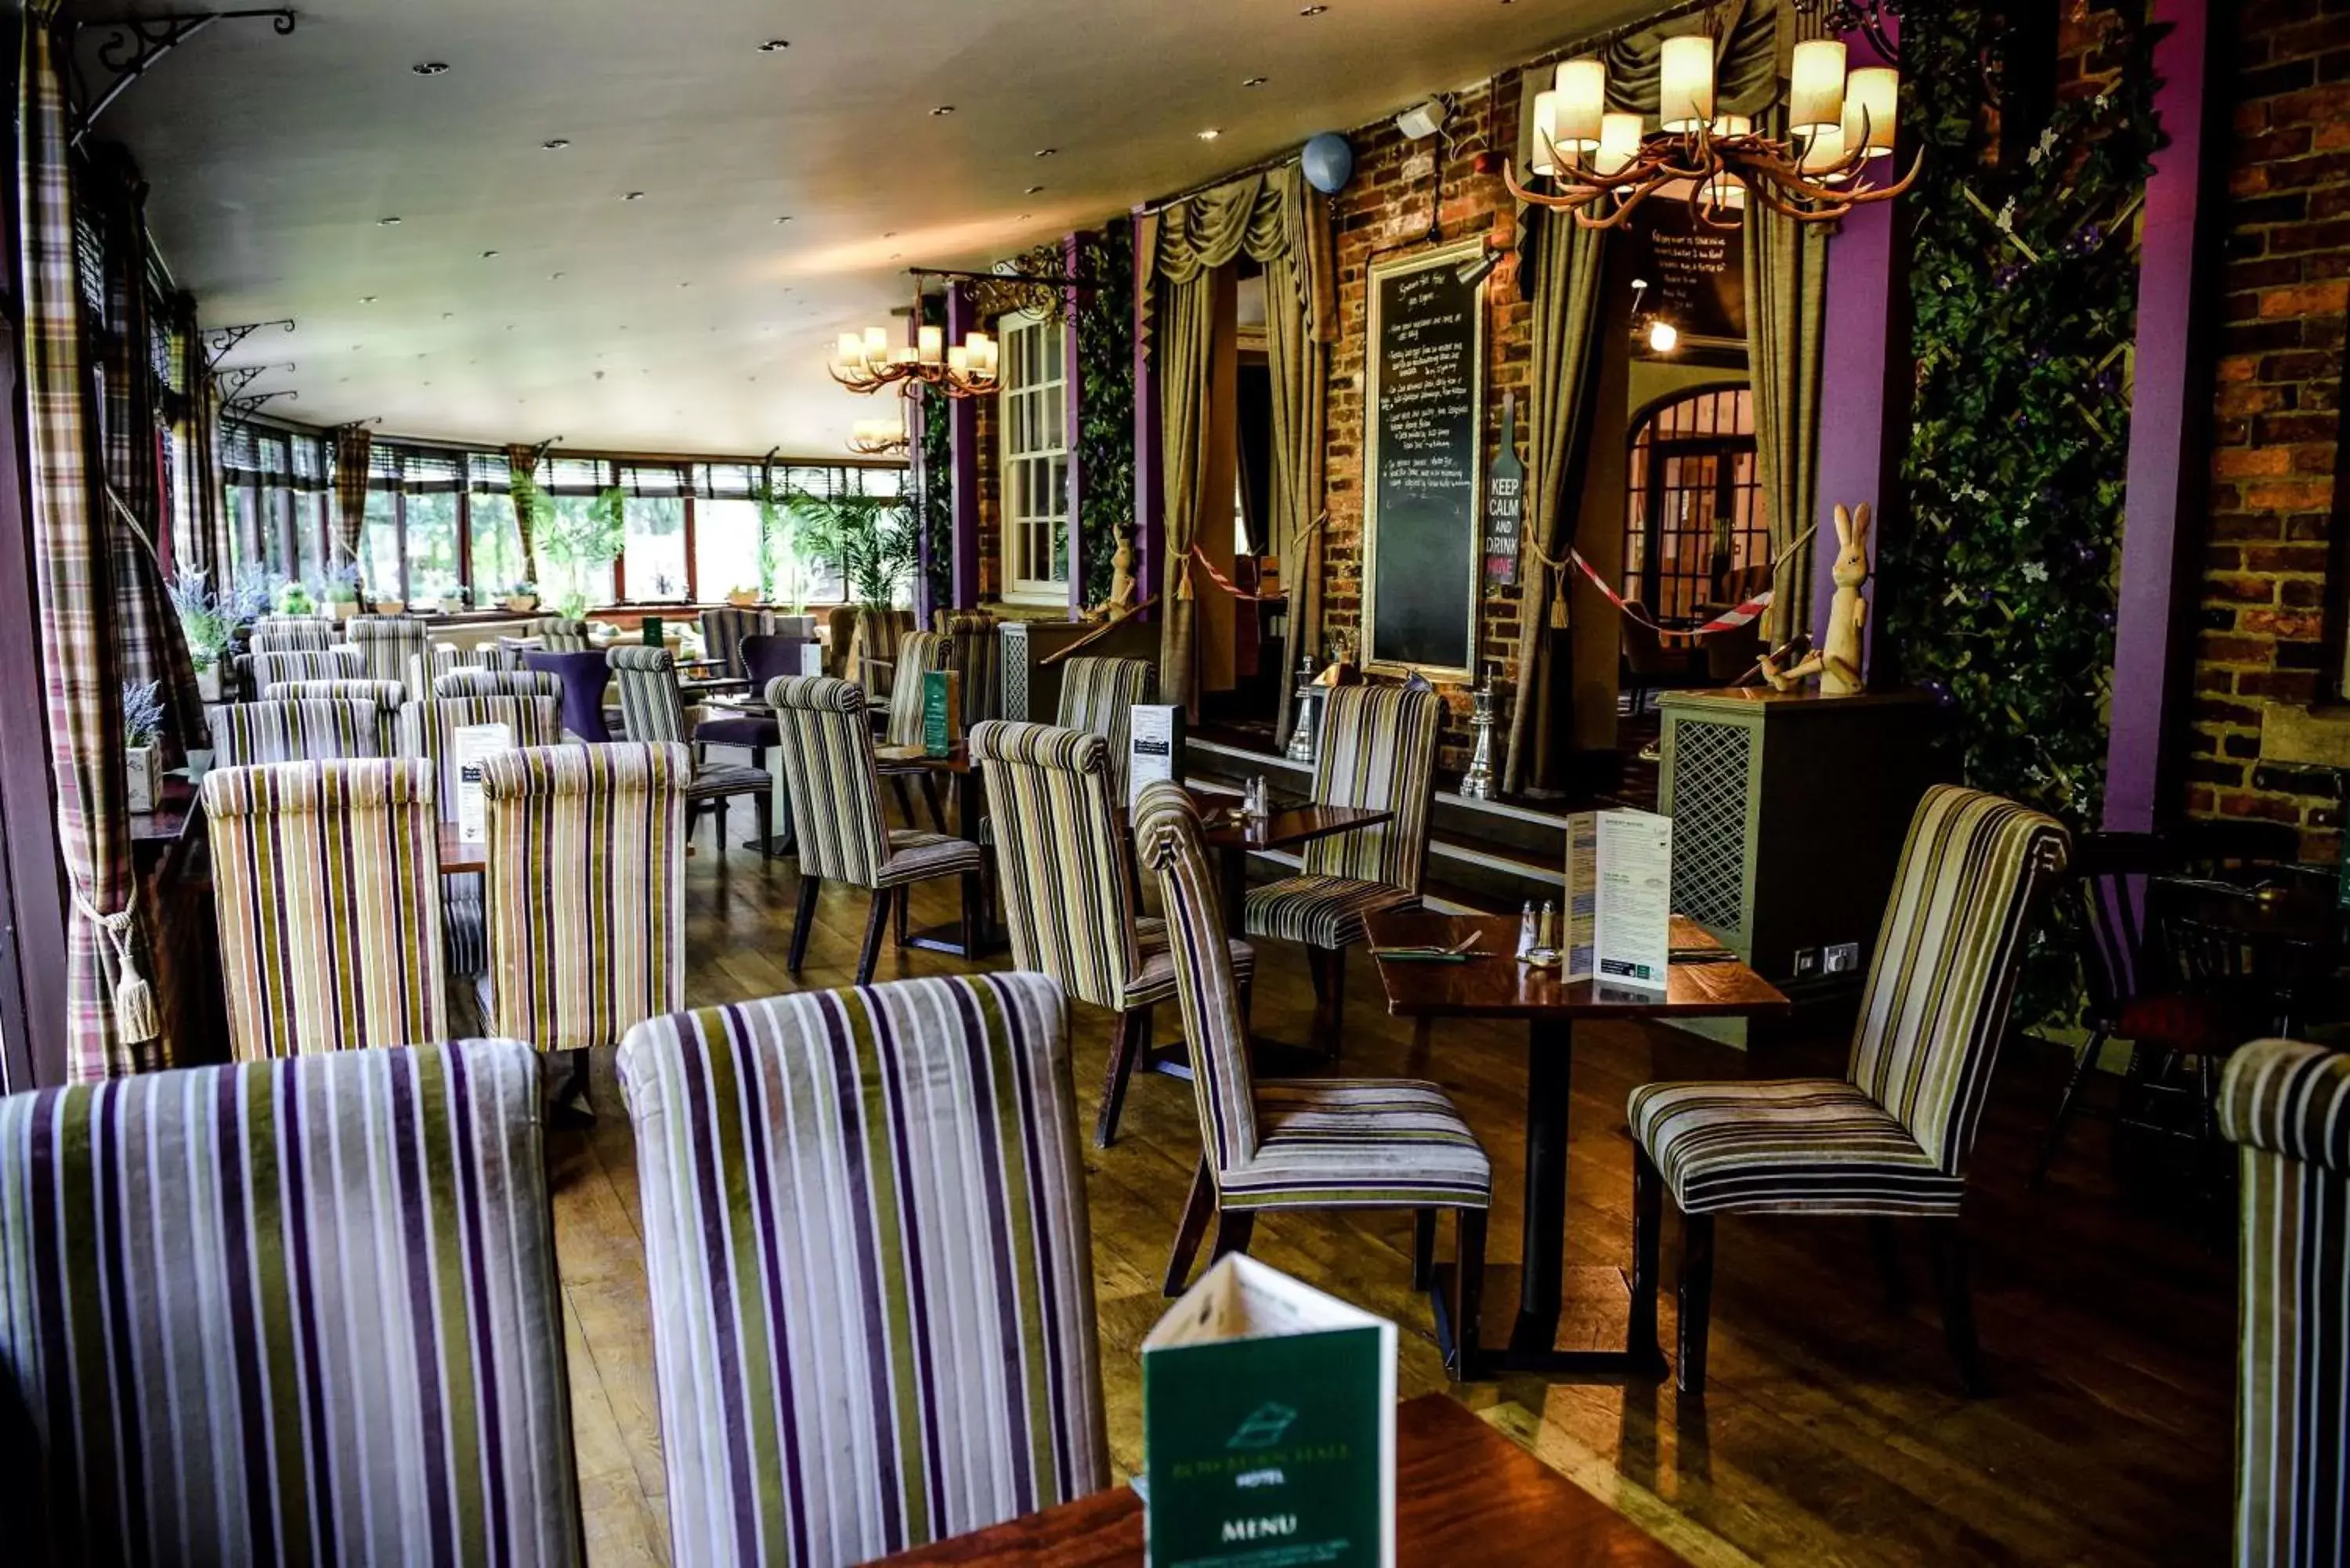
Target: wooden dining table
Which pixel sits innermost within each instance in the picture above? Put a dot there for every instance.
(1550, 1331)
(1466, 1497)
(1234, 838)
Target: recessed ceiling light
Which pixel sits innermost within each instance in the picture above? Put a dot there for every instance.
(429, 68)
(1048, 152)
(366, 299)
(556, 143)
(633, 196)
(1024, 217)
(889, 234)
(1313, 10)
(785, 219)
(685, 285)
(487, 255)
(1210, 134)
(1253, 81)
(386, 223)
(448, 316)
(1033, 191)
(774, 45)
(943, 108)
(555, 277)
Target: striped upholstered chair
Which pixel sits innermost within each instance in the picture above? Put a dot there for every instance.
(474, 681)
(790, 1414)
(584, 893)
(975, 653)
(873, 648)
(387, 695)
(839, 641)
(918, 652)
(294, 730)
(293, 623)
(1379, 751)
(826, 746)
(310, 636)
(1098, 696)
(653, 709)
(2287, 1103)
(269, 669)
(1068, 895)
(1312, 1143)
(724, 628)
(1890, 1138)
(289, 1311)
(428, 731)
(390, 649)
(326, 881)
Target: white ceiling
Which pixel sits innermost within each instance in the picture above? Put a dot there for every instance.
(689, 320)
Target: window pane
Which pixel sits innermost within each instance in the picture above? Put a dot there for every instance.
(562, 584)
(726, 547)
(380, 547)
(656, 529)
(431, 545)
(497, 547)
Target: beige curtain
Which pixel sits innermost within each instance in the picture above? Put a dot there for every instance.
(1277, 219)
(1747, 58)
(1787, 311)
(1562, 266)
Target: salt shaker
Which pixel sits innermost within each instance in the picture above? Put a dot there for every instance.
(1526, 931)
(1548, 939)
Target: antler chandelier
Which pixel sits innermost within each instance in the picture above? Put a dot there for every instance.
(879, 438)
(1601, 164)
(870, 362)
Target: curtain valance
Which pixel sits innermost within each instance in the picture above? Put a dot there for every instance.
(1266, 216)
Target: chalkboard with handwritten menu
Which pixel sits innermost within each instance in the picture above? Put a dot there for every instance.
(1421, 564)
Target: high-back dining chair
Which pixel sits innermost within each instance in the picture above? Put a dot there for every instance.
(480, 681)
(585, 677)
(918, 652)
(1890, 1138)
(268, 669)
(311, 636)
(653, 708)
(873, 653)
(975, 653)
(299, 1311)
(1314, 1143)
(326, 883)
(1098, 696)
(428, 730)
(839, 641)
(393, 647)
(826, 746)
(2107, 889)
(387, 695)
(585, 892)
(293, 730)
(933, 1120)
(2286, 1104)
(1068, 891)
(1377, 752)
(293, 623)
(724, 628)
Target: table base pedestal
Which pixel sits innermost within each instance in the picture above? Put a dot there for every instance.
(1590, 1339)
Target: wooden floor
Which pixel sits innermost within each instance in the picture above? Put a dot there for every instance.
(1833, 1430)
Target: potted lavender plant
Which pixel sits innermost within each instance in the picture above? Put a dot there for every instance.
(142, 730)
(204, 620)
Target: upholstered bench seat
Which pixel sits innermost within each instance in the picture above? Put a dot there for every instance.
(1324, 911)
(1357, 1143)
(1817, 1146)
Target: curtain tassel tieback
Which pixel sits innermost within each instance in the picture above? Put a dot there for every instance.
(136, 1020)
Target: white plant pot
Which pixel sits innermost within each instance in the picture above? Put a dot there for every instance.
(346, 609)
(208, 681)
(143, 772)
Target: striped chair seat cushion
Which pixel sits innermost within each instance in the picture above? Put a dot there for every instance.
(918, 857)
(1154, 982)
(1358, 1143)
(727, 779)
(1816, 1146)
(1326, 911)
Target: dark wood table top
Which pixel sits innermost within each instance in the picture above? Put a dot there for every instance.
(1286, 829)
(1500, 986)
(459, 858)
(1465, 1495)
(175, 808)
(956, 761)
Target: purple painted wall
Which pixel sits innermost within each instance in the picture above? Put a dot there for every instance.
(2171, 392)
(963, 443)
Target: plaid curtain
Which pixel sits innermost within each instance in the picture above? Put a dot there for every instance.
(352, 447)
(110, 1021)
(200, 525)
(153, 647)
(522, 482)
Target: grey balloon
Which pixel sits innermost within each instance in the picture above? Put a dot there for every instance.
(1328, 161)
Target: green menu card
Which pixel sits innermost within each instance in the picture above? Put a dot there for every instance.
(1268, 1426)
(941, 711)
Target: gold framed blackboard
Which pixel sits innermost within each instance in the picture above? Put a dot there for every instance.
(1423, 463)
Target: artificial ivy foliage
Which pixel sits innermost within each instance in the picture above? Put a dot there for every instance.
(936, 482)
(1105, 451)
(2022, 281)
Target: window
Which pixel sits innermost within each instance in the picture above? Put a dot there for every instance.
(1695, 534)
(574, 584)
(496, 559)
(726, 551)
(1034, 408)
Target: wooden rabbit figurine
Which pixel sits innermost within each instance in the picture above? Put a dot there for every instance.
(1839, 664)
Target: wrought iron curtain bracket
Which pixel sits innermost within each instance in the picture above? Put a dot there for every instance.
(219, 341)
(244, 407)
(234, 382)
(1871, 19)
(131, 46)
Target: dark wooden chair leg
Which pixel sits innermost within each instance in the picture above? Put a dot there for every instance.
(1648, 1255)
(1470, 1267)
(1885, 1242)
(1338, 1003)
(877, 926)
(1197, 1212)
(1423, 1248)
(1958, 1306)
(931, 799)
(718, 810)
(901, 907)
(973, 901)
(762, 813)
(2083, 1061)
(1233, 1229)
(1133, 1035)
(802, 923)
(1697, 1301)
(905, 797)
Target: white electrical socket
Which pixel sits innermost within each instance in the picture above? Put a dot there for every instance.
(1807, 961)
(1843, 958)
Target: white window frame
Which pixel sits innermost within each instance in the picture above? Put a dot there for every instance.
(1029, 406)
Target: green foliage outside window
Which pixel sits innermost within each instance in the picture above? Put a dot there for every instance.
(872, 536)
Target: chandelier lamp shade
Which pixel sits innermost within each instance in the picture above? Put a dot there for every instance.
(1601, 164)
(878, 438)
(869, 361)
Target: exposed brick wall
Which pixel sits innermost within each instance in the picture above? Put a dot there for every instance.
(1386, 205)
(2286, 283)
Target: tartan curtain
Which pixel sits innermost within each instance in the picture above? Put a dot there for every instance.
(110, 1023)
(522, 484)
(353, 446)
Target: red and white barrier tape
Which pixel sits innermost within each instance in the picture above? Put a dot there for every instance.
(1736, 615)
